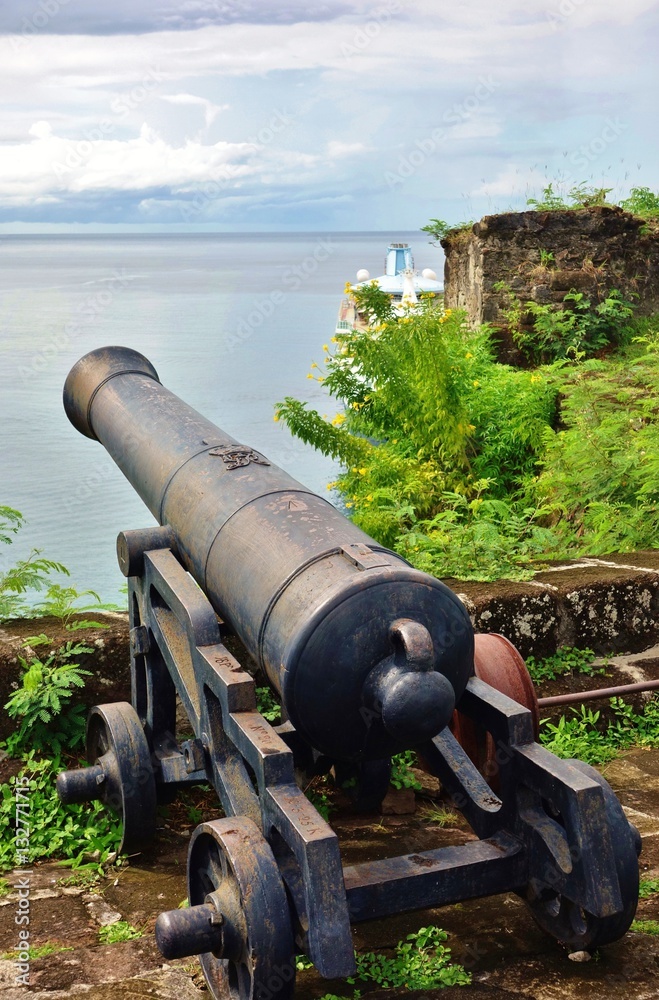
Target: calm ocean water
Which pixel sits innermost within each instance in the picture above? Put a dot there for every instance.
(231, 323)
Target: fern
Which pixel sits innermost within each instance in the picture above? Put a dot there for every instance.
(10, 522)
(41, 703)
(31, 574)
(473, 469)
(63, 602)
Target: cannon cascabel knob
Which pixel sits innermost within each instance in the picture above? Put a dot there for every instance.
(413, 701)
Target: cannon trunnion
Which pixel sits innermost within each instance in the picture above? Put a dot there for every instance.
(369, 657)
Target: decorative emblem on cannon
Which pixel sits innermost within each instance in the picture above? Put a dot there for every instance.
(369, 657)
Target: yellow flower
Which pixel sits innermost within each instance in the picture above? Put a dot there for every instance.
(475, 383)
(276, 417)
(325, 347)
(369, 497)
(362, 472)
(333, 340)
(469, 354)
(536, 378)
(309, 375)
(348, 505)
(313, 364)
(338, 419)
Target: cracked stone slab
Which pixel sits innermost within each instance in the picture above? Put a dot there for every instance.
(100, 911)
(163, 984)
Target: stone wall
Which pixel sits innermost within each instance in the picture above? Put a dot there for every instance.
(593, 250)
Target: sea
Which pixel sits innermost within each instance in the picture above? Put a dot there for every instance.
(232, 324)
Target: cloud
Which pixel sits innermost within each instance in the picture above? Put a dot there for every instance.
(192, 181)
(53, 167)
(211, 111)
(293, 104)
(337, 149)
(89, 17)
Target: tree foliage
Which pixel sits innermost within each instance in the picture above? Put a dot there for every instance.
(475, 469)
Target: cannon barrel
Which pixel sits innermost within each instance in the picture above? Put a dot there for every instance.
(368, 654)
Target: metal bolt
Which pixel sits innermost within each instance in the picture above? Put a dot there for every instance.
(139, 640)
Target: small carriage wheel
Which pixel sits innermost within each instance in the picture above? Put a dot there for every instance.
(568, 922)
(115, 739)
(232, 865)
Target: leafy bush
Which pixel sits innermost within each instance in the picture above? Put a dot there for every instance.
(437, 441)
(268, 705)
(31, 574)
(438, 229)
(401, 771)
(581, 195)
(642, 202)
(420, 962)
(375, 304)
(63, 602)
(566, 660)
(474, 469)
(48, 722)
(75, 832)
(580, 734)
(600, 469)
(576, 328)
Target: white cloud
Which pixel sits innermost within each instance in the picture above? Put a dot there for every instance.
(211, 111)
(265, 101)
(337, 149)
(54, 167)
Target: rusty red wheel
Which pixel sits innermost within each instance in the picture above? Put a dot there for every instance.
(498, 663)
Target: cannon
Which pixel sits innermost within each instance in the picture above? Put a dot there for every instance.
(369, 657)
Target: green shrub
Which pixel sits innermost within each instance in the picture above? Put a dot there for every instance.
(581, 195)
(47, 721)
(476, 470)
(420, 962)
(78, 833)
(600, 469)
(117, 932)
(401, 771)
(642, 202)
(581, 734)
(566, 660)
(437, 440)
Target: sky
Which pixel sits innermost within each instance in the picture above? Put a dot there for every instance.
(204, 115)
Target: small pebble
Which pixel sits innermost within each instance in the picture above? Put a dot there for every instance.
(580, 956)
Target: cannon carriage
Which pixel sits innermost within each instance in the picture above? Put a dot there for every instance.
(369, 657)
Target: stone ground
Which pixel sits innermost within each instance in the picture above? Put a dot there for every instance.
(495, 939)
